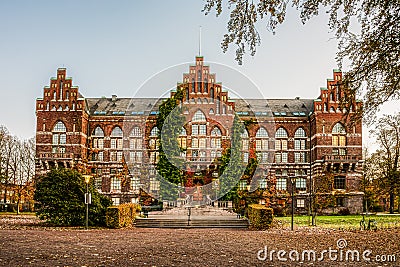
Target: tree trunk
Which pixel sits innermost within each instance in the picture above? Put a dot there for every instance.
(391, 201)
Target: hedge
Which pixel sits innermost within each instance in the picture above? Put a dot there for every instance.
(122, 215)
(260, 217)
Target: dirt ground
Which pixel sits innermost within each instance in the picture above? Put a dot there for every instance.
(24, 242)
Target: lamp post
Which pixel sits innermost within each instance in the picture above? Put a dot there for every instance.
(88, 198)
(292, 180)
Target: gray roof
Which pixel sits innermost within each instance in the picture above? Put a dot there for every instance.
(244, 107)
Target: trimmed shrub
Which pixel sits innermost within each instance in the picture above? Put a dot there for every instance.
(122, 215)
(260, 217)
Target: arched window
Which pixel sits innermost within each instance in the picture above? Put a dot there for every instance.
(211, 111)
(154, 132)
(199, 116)
(281, 141)
(135, 145)
(59, 137)
(193, 85)
(332, 109)
(339, 139)
(116, 143)
(98, 138)
(205, 85)
(212, 94)
(300, 139)
(216, 132)
(116, 132)
(262, 145)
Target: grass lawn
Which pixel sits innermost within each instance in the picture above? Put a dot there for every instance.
(343, 222)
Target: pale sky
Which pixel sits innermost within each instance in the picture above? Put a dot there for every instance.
(112, 47)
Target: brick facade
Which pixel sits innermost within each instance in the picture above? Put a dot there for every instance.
(114, 138)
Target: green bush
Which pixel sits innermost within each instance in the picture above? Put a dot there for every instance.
(60, 196)
(260, 217)
(122, 215)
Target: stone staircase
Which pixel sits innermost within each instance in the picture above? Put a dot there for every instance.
(201, 217)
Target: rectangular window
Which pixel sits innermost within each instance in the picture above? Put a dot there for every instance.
(278, 157)
(284, 157)
(246, 157)
(339, 182)
(98, 183)
(202, 143)
(301, 183)
(195, 129)
(242, 185)
(114, 143)
(63, 139)
(258, 145)
(113, 156)
(299, 144)
(182, 142)
(120, 143)
(281, 184)
(202, 129)
(301, 203)
(342, 140)
(277, 145)
(135, 183)
(335, 140)
(195, 142)
(245, 144)
(115, 183)
(55, 139)
(340, 202)
(101, 156)
(284, 144)
(342, 151)
(263, 183)
(154, 184)
(115, 201)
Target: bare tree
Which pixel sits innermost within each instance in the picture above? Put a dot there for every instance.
(387, 133)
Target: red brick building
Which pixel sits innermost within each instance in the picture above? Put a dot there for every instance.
(116, 139)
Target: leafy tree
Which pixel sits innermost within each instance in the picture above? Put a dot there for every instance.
(169, 166)
(60, 199)
(368, 32)
(232, 167)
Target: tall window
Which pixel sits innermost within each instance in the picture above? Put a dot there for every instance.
(115, 184)
(245, 145)
(59, 137)
(281, 141)
(199, 132)
(339, 139)
(153, 145)
(116, 138)
(98, 138)
(262, 145)
(281, 179)
(182, 142)
(300, 139)
(135, 145)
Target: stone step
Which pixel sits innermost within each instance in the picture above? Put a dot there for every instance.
(198, 223)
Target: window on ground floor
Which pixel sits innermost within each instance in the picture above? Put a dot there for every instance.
(339, 182)
(301, 203)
